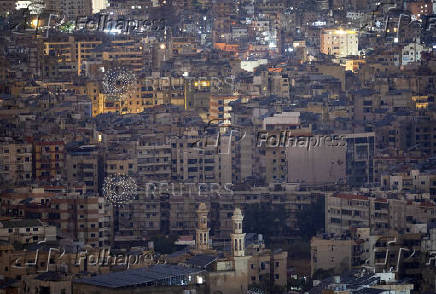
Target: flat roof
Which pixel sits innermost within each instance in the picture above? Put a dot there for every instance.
(21, 223)
(138, 277)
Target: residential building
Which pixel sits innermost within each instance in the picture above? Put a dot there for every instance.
(339, 42)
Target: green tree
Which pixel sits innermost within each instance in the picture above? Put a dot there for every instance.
(310, 220)
(321, 274)
(164, 244)
(265, 219)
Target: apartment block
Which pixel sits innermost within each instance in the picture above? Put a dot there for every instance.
(339, 255)
(70, 8)
(83, 166)
(339, 42)
(26, 231)
(83, 218)
(266, 265)
(49, 160)
(191, 162)
(15, 161)
(360, 159)
(345, 211)
(154, 158)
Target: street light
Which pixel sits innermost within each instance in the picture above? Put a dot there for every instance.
(35, 23)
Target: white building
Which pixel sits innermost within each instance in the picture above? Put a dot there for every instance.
(281, 121)
(239, 32)
(250, 65)
(354, 15)
(26, 231)
(412, 53)
(98, 5)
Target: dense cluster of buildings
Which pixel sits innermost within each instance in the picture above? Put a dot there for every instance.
(126, 124)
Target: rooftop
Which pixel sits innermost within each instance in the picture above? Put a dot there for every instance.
(201, 261)
(351, 197)
(157, 274)
(21, 223)
(52, 276)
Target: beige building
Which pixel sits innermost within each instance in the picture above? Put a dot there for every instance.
(76, 216)
(183, 46)
(71, 8)
(414, 181)
(154, 158)
(15, 162)
(72, 51)
(335, 254)
(82, 165)
(26, 231)
(266, 266)
(219, 109)
(49, 158)
(344, 211)
(48, 282)
(192, 162)
(339, 42)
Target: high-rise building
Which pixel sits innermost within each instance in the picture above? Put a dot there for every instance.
(360, 159)
(15, 161)
(49, 160)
